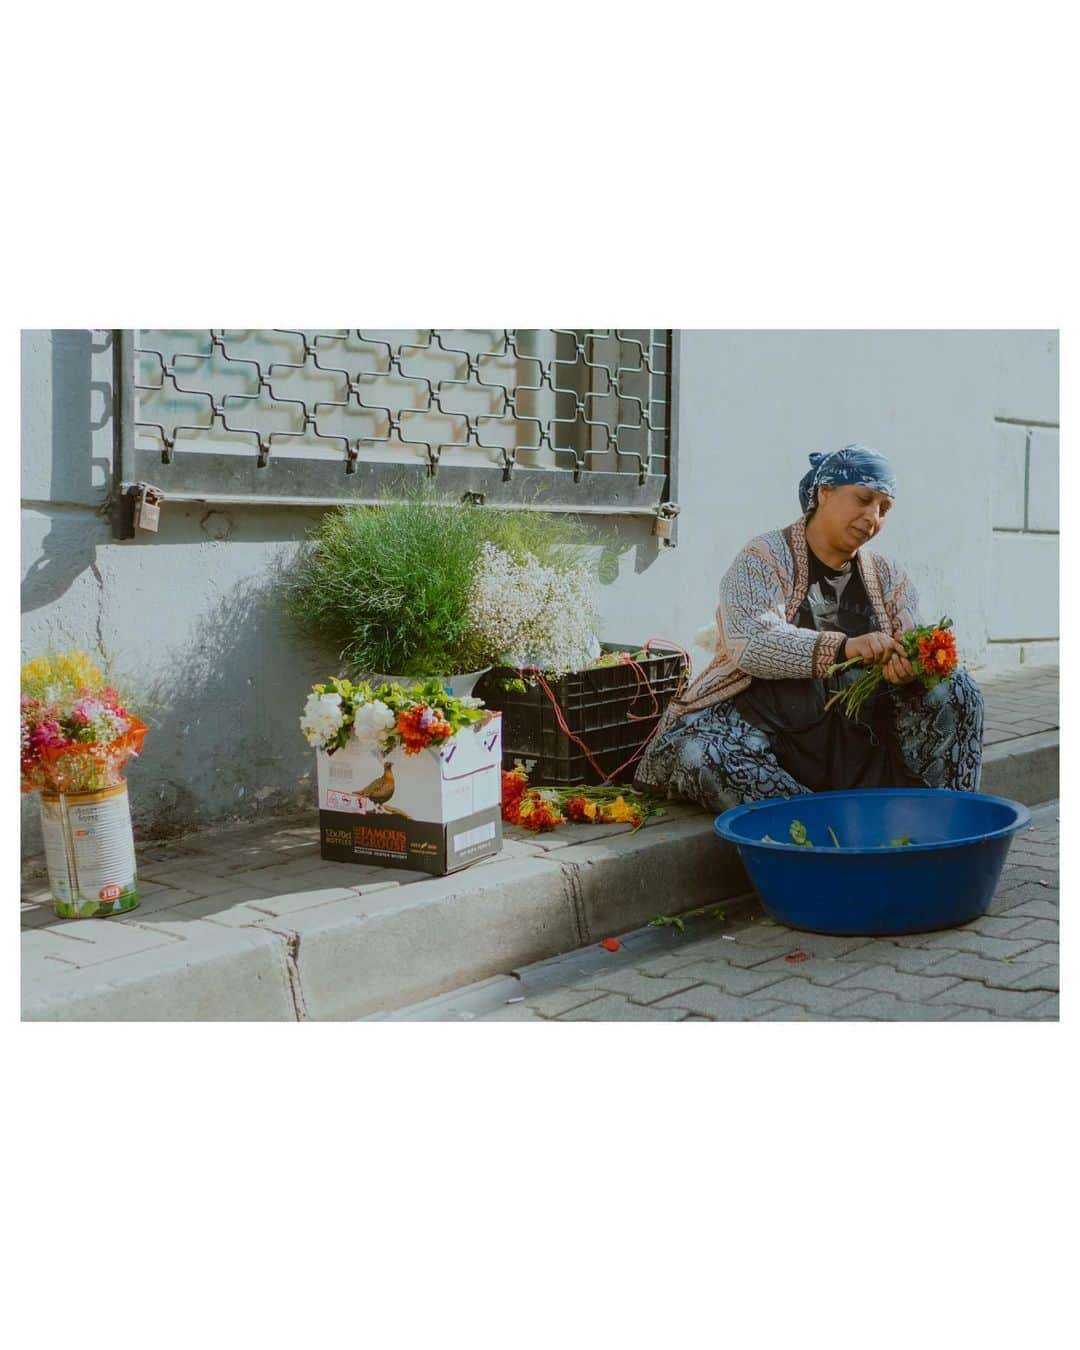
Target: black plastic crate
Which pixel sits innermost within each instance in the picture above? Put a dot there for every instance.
(595, 706)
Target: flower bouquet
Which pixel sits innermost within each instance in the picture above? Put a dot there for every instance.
(381, 799)
(385, 716)
(76, 735)
(542, 809)
(930, 649)
(76, 731)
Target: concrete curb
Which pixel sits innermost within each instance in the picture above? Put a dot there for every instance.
(376, 949)
(232, 975)
(1025, 770)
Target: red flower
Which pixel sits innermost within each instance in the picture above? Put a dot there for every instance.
(419, 727)
(534, 813)
(580, 808)
(610, 944)
(795, 956)
(937, 652)
(514, 783)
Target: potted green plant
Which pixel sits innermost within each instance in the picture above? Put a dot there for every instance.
(392, 586)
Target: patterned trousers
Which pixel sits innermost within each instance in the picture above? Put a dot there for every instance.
(718, 759)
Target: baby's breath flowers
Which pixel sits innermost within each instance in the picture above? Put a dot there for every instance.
(526, 614)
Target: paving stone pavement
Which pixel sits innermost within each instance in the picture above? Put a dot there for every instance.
(252, 875)
(751, 969)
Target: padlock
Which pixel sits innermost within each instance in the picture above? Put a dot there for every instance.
(147, 507)
(664, 524)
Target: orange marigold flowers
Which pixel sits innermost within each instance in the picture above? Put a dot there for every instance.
(535, 813)
(420, 727)
(544, 808)
(931, 651)
(936, 651)
(580, 808)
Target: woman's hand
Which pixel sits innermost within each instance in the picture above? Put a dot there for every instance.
(876, 649)
(897, 669)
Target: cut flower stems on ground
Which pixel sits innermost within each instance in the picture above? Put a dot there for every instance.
(544, 808)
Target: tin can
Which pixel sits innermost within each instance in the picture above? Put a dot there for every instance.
(89, 852)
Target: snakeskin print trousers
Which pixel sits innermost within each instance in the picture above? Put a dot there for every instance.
(718, 759)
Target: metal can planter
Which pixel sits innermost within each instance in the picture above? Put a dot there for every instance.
(89, 852)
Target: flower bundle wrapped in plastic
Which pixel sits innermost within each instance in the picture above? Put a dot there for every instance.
(385, 716)
(930, 649)
(543, 808)
(76, 731)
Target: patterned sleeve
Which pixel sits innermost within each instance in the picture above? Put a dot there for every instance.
(754, 629)
(901, 597)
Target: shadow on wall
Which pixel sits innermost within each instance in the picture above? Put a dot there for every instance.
(224, 741)
(78, 407)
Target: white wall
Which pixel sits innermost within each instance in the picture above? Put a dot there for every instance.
(189, 615)
(754, 404)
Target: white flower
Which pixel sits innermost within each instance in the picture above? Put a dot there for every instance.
(372, 722)
(528, 614)
(322, 719)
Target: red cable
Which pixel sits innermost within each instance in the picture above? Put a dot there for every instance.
(637, 717)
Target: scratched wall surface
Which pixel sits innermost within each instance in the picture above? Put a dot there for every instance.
(189, 616)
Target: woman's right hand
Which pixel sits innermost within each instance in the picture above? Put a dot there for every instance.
(874, 648)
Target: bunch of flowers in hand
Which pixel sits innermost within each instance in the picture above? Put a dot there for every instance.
(542, 808)
(76, 731)
(385, 716)
(523, 613)
(931, 650)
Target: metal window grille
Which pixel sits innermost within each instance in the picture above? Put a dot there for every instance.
(557, 419)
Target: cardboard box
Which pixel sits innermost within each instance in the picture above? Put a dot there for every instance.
(436, 811)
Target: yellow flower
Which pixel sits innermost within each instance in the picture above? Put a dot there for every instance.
(67, 672)
(617, 811)
(589, 810)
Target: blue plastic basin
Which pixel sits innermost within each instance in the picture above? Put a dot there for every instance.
(946, 875)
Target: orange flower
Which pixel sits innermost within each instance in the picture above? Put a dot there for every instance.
(580, 808)
(937, 652)
(534, 813)
(419, 727)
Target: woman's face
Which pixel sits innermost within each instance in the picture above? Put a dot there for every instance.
(852, 513)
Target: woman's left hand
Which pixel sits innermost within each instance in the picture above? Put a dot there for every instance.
(897, 669)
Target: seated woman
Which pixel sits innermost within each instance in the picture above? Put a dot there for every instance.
(795, 602)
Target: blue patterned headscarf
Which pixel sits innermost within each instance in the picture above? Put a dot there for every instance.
(853, 464)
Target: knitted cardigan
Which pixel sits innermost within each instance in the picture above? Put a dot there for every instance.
(760, 596)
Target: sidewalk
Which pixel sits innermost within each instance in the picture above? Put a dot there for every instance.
(1002, 967)
(249, 924)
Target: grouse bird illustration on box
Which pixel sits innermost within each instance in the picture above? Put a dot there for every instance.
(381, 789)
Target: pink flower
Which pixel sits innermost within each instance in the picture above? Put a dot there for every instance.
(47, 736)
